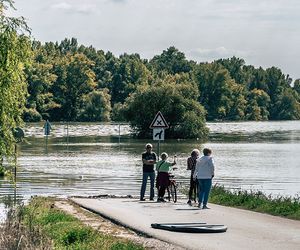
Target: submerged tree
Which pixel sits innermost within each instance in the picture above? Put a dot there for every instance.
(176, 97)
(14, 54)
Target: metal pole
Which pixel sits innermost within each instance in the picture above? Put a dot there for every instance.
(15, 172)
(119, 133)
(67, 135)
(158, 148)
(46, 144)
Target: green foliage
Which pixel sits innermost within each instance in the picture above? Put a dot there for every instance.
(176, 97)
(257, 201)
(32, 115)
(2, 171)
(171, 61)
(259, 102)
(14, 54)
(297, 86)
(221, 96)
(68, 81)
(67, 232)
(96, 106)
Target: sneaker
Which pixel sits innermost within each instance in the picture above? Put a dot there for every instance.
(199, 205)
(142, 199)
(189, 202)
(205, 207)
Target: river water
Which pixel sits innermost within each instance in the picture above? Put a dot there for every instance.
(92, 159)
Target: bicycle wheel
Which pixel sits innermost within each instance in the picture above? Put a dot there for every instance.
(169, 194)
(173, 192)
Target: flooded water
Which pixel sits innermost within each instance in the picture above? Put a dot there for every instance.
(91, 159)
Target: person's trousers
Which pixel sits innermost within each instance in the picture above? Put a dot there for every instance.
(193, 189)
(151, 175)
(205, 186)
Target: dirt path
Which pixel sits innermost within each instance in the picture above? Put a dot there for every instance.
(107, 227)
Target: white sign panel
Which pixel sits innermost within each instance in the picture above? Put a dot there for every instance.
(158, 134)
(159, 121)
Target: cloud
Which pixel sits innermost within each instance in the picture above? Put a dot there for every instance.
(201, 54)
(81, 8)
(118, 1)
(62, 6)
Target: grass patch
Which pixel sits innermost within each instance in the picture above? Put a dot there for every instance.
(40, 225)
(67, 232)
(257, 201)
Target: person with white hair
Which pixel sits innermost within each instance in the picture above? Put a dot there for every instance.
(204, 173)
(191, 164)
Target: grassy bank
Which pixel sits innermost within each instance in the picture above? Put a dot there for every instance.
(257, 201)
(40, 225)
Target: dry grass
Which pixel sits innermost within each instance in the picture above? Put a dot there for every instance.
(15, 235)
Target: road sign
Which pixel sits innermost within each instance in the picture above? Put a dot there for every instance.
(159, 121)
(158, 134)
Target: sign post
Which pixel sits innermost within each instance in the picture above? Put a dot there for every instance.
(159, 125)
(47, 129)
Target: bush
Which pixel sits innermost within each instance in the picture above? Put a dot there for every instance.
(176, 98)
(32, 115)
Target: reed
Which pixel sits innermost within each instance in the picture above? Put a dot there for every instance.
(288, 207)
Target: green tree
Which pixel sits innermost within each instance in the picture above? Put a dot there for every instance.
(235, 67)
(41, 100)
(219, 94)
(129, 73)
(176, 97)
(297, 86)
(75, 79)
(259, 102)
(287, 106)
(96, 106)
(14, 54)
(172, 61)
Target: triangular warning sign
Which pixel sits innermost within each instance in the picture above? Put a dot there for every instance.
(159, 121)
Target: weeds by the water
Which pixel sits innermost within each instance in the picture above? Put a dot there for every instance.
(257, 201)
(14, 234)
(67, 232)
(40, 225)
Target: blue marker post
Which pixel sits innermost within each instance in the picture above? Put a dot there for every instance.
(47, 129)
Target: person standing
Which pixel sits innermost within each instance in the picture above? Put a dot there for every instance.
(191, 164)
(163, 180)
(149, 159)
(204, 172)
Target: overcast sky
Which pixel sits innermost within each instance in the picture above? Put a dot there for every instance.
(264, 32)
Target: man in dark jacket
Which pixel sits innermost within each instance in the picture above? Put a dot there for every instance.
(149, 159)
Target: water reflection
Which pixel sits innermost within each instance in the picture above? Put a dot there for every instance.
(258, 156)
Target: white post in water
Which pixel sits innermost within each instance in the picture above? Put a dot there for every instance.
(119, 133)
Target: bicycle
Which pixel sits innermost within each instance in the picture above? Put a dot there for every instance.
(172, 188)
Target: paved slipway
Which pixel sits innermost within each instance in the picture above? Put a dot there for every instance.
(246, 229)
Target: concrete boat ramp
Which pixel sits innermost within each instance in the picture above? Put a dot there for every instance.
(246, 229)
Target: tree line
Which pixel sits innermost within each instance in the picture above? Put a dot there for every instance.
(72, 82)
(65, 81)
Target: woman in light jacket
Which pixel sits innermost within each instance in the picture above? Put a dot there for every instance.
(204, 172)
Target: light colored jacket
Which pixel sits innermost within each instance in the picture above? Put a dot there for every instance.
(205, 168)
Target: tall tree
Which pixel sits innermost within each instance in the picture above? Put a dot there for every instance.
(219, 94)
(172, 61)
(14, 54)
(75, 79)
(176, 97)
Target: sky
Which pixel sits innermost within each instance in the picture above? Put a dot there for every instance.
(263, 32)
